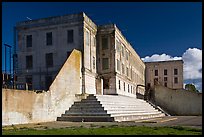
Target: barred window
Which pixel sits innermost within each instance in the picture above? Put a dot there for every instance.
(29, 41)
(70, 36)
(29, 62)
(105, 63)
(49, 38)
(87, 38)
(104, 43)
(49, 60)
(118, 65)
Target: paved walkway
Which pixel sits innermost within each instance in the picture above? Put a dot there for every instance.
(188, 121)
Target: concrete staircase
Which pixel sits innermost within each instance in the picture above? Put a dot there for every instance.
(103, 108)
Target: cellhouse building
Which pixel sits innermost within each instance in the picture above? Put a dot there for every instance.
(110, 65)
(84, 72)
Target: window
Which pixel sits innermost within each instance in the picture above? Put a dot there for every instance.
(175, 80)
(68, 53)
(105, 63)
(87, 38)
(124, 86)
(94, 41)
(29, 81)
(119, 84)
(156, 72)
(29, 62)
(155, 81)
(104, 43)
(118, 65)
(49, 60)
(131, 89)
(165, 71)
(127, 54)
(48, 82)
(94, 60)
(175, 71)
(117, 46)
(122, 51)
(29, 41)
(70, 36)
(165, 84)
(128, 88)
(123, 69)
(127, 71)
(165, 78)
(49, 38)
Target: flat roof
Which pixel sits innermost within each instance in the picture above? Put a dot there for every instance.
(164, 61)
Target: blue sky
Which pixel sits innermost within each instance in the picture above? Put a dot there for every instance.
(151, 27)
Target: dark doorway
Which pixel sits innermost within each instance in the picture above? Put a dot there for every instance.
(105, 83)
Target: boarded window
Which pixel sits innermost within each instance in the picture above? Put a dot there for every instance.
(118, 65)
(70, 36)
(49, 38)
(29, 62)
(175, 71)
(29, 41)
(49, 60)
(165, 71)
(104, 43)
(105, 63)
(156, 72)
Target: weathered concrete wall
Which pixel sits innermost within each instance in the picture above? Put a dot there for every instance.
(20, 106)
(178, 102)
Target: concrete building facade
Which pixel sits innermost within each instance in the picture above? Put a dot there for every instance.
(166, 73)
(119, 65)
(109, 63)
(45, 44)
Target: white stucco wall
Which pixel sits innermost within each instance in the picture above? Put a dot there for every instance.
(20, 106)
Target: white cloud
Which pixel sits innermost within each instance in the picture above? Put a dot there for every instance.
(162, 57)
(192, 63)
(192, 68)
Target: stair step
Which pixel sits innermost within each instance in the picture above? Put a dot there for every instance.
(109, 108)
(85, 114)
(86, 118)
(136, 117)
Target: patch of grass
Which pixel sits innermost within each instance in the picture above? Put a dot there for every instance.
(129, 130)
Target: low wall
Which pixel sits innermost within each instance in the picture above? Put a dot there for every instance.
(178, 102)
(21, 106)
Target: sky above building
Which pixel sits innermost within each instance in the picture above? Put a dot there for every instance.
(156, 30)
